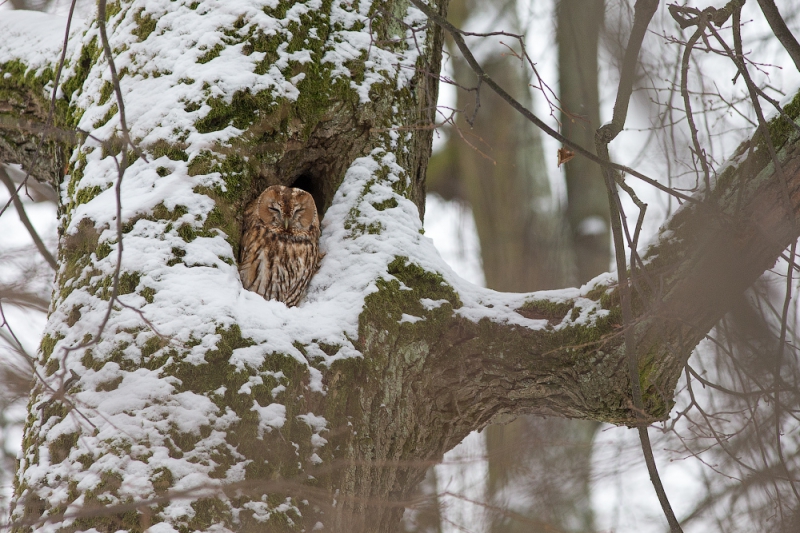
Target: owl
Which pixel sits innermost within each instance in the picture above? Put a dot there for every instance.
(280, 244)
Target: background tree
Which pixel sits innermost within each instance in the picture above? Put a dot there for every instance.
(496, 164)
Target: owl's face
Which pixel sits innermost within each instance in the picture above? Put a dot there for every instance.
(288, 212)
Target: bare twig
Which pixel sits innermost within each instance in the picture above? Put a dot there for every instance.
(473, 63)
(23, 217)
(643, 13)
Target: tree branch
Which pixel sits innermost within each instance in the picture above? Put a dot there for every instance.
(23, 217)
(574, 364)
(780, 30)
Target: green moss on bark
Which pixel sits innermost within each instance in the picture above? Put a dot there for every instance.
(145, 24)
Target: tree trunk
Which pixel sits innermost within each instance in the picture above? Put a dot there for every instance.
(501, 168)
(578, 28)
(200, 406)
(544, 464)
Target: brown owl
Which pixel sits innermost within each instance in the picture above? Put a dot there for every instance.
(280, 244)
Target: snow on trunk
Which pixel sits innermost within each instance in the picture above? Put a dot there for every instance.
(191, 403)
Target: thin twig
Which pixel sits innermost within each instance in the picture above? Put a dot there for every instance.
(643, 13)
(23, 217)
(473, 63)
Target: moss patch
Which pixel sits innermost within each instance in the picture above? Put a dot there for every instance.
(145, 24)
(87, 194)
(162, 480)
(242, 111)
(385, 308)
(160, 212)
(553, 312)
(110, 385)
(89, 54)
(211, 54)
(148, 294)
(61, 446)
(105, 92)
(386, 204)
(187, 232)
(128, 281)
(163, 148)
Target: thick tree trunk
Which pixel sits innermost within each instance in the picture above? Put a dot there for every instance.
(200, 406)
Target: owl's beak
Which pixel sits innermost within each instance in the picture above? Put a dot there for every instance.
(286, 223)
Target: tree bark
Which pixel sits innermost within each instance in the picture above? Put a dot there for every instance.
(200, 406)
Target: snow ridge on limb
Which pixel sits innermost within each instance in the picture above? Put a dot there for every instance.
(29, 55)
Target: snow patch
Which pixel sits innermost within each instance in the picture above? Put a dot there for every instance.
(271, 417)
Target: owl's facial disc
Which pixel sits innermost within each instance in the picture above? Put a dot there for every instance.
(287, 211)
(305, 215)
(295, 218)
(275, 214)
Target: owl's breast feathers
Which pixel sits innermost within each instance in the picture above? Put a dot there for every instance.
(278, 266)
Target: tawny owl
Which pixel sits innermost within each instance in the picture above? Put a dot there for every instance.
(280, 244)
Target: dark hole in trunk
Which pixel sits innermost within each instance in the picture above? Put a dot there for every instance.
(312, 186)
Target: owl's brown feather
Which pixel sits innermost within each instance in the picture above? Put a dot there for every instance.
(280, 244)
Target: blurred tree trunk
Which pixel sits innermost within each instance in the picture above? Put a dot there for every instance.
(32, 5)
(496, 164)
(525, 245)
(579, 23)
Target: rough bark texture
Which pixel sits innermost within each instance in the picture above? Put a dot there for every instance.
(233, 398)
(24, 137)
